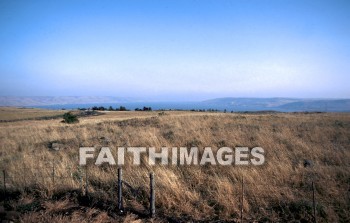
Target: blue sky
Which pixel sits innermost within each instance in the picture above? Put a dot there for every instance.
(175, 50)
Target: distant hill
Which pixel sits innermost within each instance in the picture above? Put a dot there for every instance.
(318, 105)
(62, 100)
(229, 103)
(279, 104)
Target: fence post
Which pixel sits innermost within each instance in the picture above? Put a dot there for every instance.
(80, 173)
(86, 180)
(314, 201)
(24, 177)
(120, 192)
(152, 207)
(4, 178)
(242, 199)
(53, 172)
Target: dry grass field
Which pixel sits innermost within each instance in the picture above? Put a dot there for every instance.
(18, 114)
(278, 191)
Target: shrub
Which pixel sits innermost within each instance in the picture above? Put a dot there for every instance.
(161, 113)
(70, 118)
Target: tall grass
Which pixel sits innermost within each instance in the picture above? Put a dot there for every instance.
(281, 187)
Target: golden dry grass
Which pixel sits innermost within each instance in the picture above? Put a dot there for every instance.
(14, 114)
(277, 191)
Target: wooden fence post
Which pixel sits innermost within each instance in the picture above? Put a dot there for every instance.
(120, 192)
(4, 178)
(53, 172)
(86, 180)
(152, 207)
(80, 172)
(314, 201)
(24, 178)
(242, 199)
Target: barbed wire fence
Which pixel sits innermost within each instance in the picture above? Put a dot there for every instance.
(48, 179)
(78, 178)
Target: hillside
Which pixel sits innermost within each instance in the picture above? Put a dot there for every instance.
(299, 149)
(280, 104)
(228, 104)
(62, 100)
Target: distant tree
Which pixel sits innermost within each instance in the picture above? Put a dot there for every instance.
(94, 108)
(110, 108)
(70, 118)
(138, 109)
(122, 108)
(147, 108)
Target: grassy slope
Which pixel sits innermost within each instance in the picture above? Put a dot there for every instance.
(278, 190)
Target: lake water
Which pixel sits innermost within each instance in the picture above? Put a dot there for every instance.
(134, 105)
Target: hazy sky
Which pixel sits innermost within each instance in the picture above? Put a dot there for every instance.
(175, 50)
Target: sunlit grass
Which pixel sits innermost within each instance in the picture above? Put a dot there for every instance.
(201, 192)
